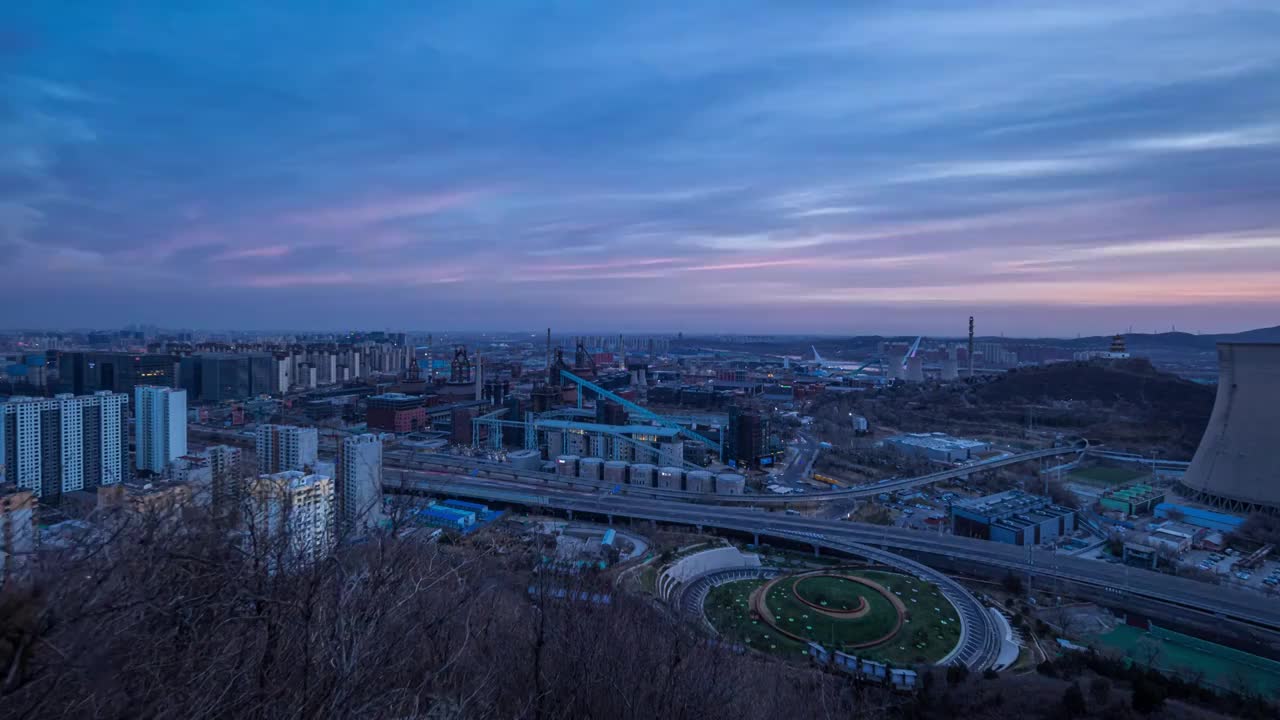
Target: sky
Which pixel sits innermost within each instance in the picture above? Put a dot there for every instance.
(737, 166)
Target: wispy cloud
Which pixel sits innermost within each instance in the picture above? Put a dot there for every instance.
(377, 210)
(822, 154)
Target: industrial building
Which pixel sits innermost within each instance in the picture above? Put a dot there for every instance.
(1235, 466)
(85, 373)
(1012, 517)
(453, 514)
(1199, 517)
(65, 443)
(631, 443)
(219, 377)
(396, 412)
(1135, 499)
(938, 447)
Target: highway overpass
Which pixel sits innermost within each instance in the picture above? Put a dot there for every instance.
(1212, 605)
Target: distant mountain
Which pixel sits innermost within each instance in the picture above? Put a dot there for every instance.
(1166, 341)
(1261, 335)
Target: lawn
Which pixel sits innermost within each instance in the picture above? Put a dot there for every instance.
(835, 633)
(927, 635)
(727, 608)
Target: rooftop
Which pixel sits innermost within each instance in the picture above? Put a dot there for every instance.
(1009, 502)
(937, 441)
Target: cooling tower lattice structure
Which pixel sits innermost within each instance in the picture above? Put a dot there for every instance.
(1237, 465)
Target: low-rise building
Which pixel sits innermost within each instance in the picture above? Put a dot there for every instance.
(1012, 517)
(1135, 499)
(938, 447)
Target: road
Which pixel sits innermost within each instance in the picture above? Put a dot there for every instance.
(806, 452)
(1119, 580)
(979, 644)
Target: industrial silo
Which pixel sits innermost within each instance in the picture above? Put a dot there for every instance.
(528, 460)
(672, 452)
(671, 478)
(567, 465)
(615, 472)
(1236, 465)
(699, 481)
(555, 443)
(590, 468)
(642, 474)
(730, 484)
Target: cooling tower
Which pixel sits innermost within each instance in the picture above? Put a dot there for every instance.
(1237, 465)
(895, 366)
(915, 369)
(950, 369)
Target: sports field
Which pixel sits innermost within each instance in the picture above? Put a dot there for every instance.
(1219, 666)
(1105, 476)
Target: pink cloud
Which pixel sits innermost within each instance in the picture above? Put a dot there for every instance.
(374, 211)
(268, 251)
(287, 280)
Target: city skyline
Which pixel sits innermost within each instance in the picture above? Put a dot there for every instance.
(704, 167)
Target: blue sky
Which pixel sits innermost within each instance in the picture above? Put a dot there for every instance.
(746, 166)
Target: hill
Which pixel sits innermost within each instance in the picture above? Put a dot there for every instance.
(1127, 405)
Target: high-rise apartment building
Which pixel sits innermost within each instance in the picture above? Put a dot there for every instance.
(225, 475)
(286, 447)
(358, 482)
(64, 443)
(160, 426)
(292, 515)
(17, 529)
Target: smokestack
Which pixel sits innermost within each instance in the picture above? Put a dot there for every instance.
(970, 346)
(548, 349)
(479, 374)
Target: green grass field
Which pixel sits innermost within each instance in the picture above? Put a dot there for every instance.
(931, 630)
(1105, 476)
(1219, 666)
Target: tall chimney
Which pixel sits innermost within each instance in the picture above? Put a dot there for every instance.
(970, 346)
(548, 349)
(479, 374)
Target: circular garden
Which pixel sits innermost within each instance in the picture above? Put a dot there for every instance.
(878, 615)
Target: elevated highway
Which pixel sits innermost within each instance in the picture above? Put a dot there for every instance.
(1125, 586)
(979, 643)
(497, 470)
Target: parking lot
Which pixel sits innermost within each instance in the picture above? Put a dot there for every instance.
(1265, 577)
